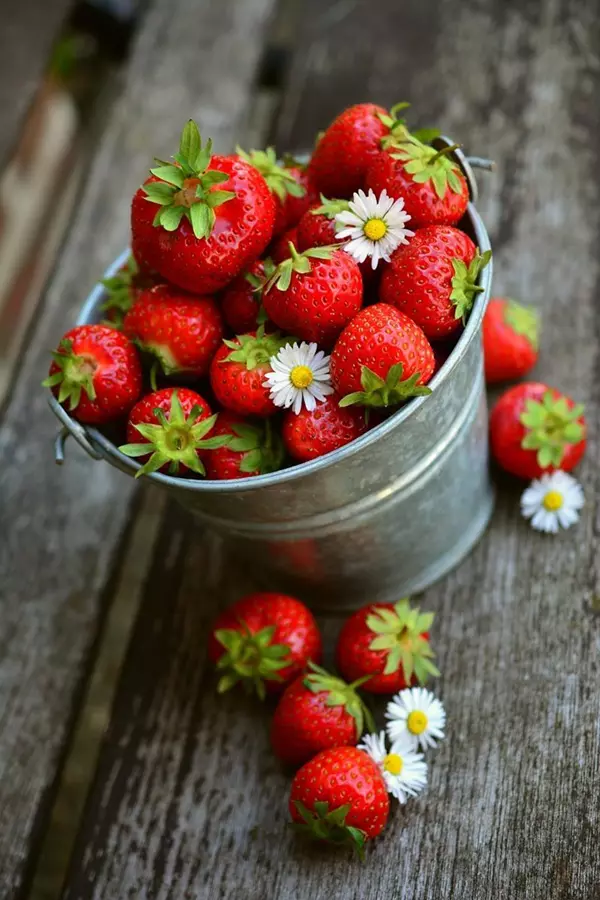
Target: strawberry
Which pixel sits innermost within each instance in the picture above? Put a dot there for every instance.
(433, 279)
(344, 152)
(288, 182)
(168, 431)
(340, 797)
(238, 370)
(317, 711)
(381, 358)
(242, 300)
(264, 641)
(95, 373)
(535, 429)
(432, 185)
(123, 289)
(510, 340)
(317, 228)
(254, 449)
(308, 435)
(280, 249)
(203, 219)
(181, 330)
(314, 294)
(388, 643)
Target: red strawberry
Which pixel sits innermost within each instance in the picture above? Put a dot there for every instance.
(381, 358)
(181, 330)
(317, 228)
(315, 712)
(340, 797)
(510, 340)
(535, 429)
(433, 279)
(325, 429)
(123, 289)
(168, 431)
(339, 164)
(314, 294)
(288, 182)
(238, 370)
(280, 249)
(95, 373)
(254, 449)
(390, 643)
(264, 641)
(432, 185)
(202, 220)
(242, 300)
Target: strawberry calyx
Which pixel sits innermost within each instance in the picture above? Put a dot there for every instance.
(119, 288)
(551, 426)
(330, 208)
(262, 447)
(523, 320)
(187, 187)
(378, 392)
(399, 631)
(255, 350)
(175, 440)
(297, 262)
(280, 180)
(424, 163)
(321, 824)
(250, 658)
(257, 284)
(75, 374)
(340, 693)
(464, 282)
(395, 123)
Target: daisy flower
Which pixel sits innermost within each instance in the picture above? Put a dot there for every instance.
(403, 770)
(416, 717)
(300, 376)
(552, 502)
(374, 226)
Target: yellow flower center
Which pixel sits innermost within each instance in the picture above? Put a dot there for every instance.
(553, 501)
(416, 722)
(374, 229)
(392, 763)
(301, 376)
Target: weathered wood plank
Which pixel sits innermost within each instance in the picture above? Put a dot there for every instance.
(60, 529)
(511, 811)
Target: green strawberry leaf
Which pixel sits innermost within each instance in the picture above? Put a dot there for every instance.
(523, 320)
(399, 632)
(550, 427)
(380, 394)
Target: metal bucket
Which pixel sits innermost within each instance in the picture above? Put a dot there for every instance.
(382, 517)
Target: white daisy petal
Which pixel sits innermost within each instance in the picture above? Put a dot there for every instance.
(403, 770)
(362, 209)
(552, 502)
(416, 717)
(293, 389)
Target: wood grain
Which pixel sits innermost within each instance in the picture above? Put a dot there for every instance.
(61, 528)
(188, 802)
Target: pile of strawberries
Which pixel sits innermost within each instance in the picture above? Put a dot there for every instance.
(270, 643)
(291, 299)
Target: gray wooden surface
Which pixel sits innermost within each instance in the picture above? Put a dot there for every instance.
(511, 810)
(61, 529)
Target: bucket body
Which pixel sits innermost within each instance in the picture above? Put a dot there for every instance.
(384, 516)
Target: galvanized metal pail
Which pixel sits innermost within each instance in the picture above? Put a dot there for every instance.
(381, 518)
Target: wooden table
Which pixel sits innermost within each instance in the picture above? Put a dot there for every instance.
(107, 592)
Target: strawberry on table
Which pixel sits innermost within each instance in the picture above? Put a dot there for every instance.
(314, 294)
(434, 279)
(535, 429)
(317, 711)
(239, 369)
(254, 449)
(313, 433)
(381, 359)
(339, 797)
(289, 183)
(95, 373)
(432, 185)
(510, 340)
(202, 219)
(242, 299)
(264, 641)
(123, 289)
(388, 643)
(182, 331)
(170, 431)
